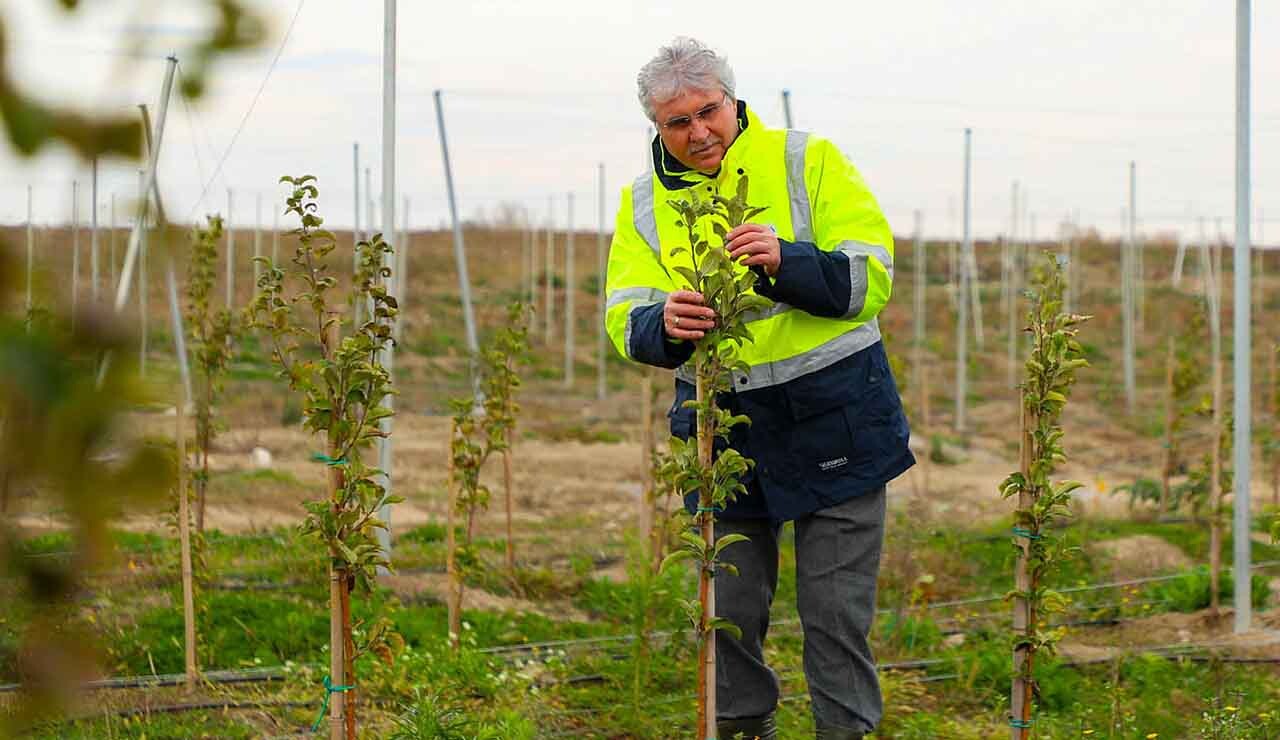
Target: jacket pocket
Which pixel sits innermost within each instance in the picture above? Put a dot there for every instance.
(843, 418)
(682, 419)
(821, 439)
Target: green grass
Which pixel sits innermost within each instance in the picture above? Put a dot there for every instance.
(140, 627)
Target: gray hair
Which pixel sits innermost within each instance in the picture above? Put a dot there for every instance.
(684, 64)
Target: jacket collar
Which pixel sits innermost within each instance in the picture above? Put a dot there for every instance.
(673, 173)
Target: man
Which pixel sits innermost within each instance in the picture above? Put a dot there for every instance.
(827, 428)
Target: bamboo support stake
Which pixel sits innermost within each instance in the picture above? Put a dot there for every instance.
(925, 463)
(1275, 425)
(348, 657)
(184, 536)
(1023, 618)
(507, 487)
(646, 467)
(706, 589)
(1213, 275)
(1166, 470)
(339, 593)
(453, 599)
(1215, 493)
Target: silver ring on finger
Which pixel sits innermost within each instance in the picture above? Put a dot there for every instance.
(675, 321)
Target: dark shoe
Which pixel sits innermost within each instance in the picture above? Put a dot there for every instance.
(748, 728)
(837, 733)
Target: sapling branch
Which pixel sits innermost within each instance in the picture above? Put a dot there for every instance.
(343, 386)
(693, 467)
(1055, 357)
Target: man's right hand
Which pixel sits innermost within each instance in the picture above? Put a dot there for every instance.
(684, 316)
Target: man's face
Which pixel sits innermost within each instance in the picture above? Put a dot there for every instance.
(697, 127)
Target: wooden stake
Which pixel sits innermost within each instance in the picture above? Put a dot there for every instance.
(706, 589)
(925, 463)
(506, 484)
(1275, 426)
(646, 468)
(1215, 493)
(1023, 618)
(184, 537)
(453, 599)
(348, 655)
(1166, 470)
(339, 604)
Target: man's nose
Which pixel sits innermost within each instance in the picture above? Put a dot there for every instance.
(698, 130)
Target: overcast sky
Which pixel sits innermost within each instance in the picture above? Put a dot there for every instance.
(1061, 96)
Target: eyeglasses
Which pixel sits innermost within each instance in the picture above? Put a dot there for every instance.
(704, 114)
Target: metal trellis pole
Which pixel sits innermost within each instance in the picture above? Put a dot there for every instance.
(459, 249)
(1241, 330)
(385, 459)
(966, 263)
(257, 240)
(75, 250)
(568, 295)
(111, 243)
(231, 252)
(549, 278)
(1126, 290)
(131, 252)
(95, 282)
(355, 223)
(143, 245)
(31, 252)
(601, 256)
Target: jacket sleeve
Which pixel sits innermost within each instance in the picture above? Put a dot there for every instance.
(636, 286)
(847, 272)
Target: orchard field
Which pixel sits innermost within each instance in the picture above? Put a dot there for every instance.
(582, 638)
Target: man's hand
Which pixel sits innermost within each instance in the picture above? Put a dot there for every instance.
(755, 244)
(684, 316)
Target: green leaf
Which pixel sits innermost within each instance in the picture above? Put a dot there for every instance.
(672, 558)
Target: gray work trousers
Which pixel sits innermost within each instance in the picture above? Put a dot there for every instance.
(837, 561)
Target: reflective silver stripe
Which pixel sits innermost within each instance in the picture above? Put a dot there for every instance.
(648, 295)
(626, 328)
(858, 253)
(766, 313)
(852, 248)
(783, 371)
(801, 214)
(642, 215)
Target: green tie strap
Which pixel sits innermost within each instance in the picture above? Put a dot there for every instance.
(329, 690)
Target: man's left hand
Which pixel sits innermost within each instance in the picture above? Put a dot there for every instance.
(755, 244)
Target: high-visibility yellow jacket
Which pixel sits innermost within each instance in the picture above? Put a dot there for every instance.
(816, 362)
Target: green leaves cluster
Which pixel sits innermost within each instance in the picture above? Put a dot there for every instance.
(341, 378)
(61, 443)
(1055, 357)
(32, 123)
(213, 337)
(480, 430)
(726, 288)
